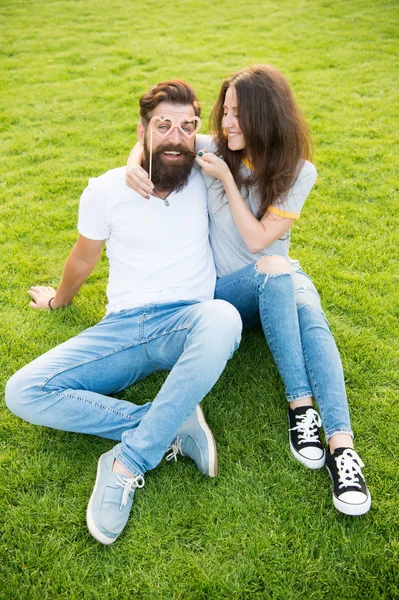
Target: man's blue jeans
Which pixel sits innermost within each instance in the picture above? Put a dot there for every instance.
(69, 387)
(298, 335)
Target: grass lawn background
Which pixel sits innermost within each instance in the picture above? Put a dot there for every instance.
(71, 74)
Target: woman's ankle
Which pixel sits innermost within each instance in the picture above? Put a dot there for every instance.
(340, 440)
(301, 402)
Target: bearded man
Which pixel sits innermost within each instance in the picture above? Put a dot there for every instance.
(160, 315)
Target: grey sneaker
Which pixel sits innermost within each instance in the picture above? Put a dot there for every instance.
(111, 501)
(195, 439)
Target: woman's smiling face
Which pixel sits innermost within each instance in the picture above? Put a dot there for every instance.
(230, 121)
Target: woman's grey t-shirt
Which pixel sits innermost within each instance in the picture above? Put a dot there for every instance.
(229, 249)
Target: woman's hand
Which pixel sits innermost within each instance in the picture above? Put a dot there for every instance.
(41, 296)
(137, 180)
(213, 165)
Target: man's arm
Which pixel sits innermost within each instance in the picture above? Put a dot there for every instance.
(80, 262)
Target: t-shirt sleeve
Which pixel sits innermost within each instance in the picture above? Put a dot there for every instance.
(291, 206)
(205, 141)
(92, 221)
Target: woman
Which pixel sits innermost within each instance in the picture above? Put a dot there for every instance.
(254, 196)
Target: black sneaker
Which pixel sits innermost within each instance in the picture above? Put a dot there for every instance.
(350, 494)
(305, 443)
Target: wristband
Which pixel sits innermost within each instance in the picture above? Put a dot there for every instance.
(49, 303)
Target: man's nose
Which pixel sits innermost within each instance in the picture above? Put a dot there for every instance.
(174, 136)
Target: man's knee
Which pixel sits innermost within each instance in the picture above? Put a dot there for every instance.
(275, 265)
(12, 392)
(224, 321)
(19, 396)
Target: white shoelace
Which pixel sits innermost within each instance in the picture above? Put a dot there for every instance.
(128, 483)
(349, 467)
(175, 449)
(307, 427)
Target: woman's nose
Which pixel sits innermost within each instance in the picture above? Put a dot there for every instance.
(227, 121)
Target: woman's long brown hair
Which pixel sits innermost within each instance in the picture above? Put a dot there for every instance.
(275, 132)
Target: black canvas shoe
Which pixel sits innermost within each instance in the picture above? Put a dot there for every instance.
(305, 443)
(350, 494)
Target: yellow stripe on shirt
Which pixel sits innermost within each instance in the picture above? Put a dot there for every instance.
(283, 213)
(274, 209)
(248, 164)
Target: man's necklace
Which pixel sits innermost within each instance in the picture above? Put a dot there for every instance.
(164, 200)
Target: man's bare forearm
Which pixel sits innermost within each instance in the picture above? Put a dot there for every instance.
(78, 266)
(76, 271)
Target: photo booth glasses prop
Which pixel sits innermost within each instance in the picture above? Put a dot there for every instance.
(164, 125)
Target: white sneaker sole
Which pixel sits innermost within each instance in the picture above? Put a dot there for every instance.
(352, 510)
(212, 453)
(310, 463)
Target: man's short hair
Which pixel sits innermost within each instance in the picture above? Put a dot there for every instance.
(174, 91)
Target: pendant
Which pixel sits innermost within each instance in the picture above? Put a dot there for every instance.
(166, 202)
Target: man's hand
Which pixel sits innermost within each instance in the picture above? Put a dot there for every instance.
(213, 165)
(137, 180)
(41, 296)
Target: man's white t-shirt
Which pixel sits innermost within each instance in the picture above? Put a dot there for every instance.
(157, 253)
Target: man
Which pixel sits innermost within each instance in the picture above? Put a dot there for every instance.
(160, 315)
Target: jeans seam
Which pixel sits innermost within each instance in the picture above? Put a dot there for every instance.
(174, 330)
(185, 341)
(88, 361)
(270, 339)
(106, 408)
(313, 384)
(265, 323)
(149, 357)
(142, 341)
(268, 335)
(155, 337)
(320, 406)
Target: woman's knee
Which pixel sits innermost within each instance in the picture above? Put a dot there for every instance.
(306, 294)
(274, 265)
(310, 310)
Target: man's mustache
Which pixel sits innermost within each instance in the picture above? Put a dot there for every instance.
(171, 148)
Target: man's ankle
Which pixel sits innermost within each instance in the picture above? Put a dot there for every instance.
(117, 467)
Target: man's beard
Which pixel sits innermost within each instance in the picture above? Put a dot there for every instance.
(173, 176)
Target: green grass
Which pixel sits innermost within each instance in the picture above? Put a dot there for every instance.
(71, 74)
